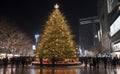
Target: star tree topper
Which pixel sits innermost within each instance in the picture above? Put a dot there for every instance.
(56, 6)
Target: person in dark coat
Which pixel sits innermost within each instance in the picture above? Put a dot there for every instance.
(41, 61)
(97, 62)
(5, 61)
(53, 61)
(12, 61)
(114, 62)
(86, 61)
(94, 62)
(23, 61)
(105, 62)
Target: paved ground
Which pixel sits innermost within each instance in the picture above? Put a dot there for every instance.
(59, 70)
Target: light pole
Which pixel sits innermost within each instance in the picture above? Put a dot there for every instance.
(36, 40)
(36, 37)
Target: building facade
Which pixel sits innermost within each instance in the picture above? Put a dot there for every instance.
(114, 25)
(104, 29)
(109, 15)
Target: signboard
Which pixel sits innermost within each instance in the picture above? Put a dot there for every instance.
(115, 27)
(116, 47)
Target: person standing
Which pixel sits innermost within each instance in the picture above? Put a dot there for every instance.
(41, 61)
(114, 61)
(5, 61)
(105, 62)
(53, 61)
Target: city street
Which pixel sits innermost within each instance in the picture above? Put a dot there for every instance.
(59, 70)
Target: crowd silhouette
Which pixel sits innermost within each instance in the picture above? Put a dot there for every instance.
(95, 62)
(89, 62)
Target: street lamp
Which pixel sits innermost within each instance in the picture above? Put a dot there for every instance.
(36, 37)
(36, 41)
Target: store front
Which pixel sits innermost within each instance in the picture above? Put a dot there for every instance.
(116, 49)
(115, 37)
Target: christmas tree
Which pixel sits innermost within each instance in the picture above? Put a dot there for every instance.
(56, 40)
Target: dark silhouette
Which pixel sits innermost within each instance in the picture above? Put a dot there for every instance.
(5, 62)
(12, 61)
(90, 62)
(86, 61)
(97, 62)
(94, 62)
(23, 61)
(105, 62)
(17, 62)
(114, 62)
(41, 61)
(53, 61)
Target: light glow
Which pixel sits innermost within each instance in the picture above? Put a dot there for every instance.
(56, 6)
(115, 27)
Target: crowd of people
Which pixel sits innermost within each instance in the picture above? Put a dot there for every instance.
(95, 62)
(15, 61)
(92, 62)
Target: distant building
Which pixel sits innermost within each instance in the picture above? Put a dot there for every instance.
(88, 32)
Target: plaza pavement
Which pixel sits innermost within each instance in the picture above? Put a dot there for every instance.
(80, 69)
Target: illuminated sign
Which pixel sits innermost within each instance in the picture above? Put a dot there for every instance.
(115, 27)
(116, 47)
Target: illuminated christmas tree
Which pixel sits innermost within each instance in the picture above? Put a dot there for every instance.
(56, 40)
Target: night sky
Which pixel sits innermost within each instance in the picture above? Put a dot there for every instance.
(30, 15)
